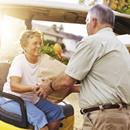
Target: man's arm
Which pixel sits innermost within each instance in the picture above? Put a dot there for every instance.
(75, 88)
(61, 82)
(64, 81)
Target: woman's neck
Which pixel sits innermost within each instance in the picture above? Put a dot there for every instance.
(31, 59)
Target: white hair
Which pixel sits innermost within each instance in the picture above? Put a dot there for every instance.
(103, 14)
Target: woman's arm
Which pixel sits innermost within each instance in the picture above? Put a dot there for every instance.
(16, 86)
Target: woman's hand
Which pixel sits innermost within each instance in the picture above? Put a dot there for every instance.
(44, 89)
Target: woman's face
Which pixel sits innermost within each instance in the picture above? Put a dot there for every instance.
(33, 46)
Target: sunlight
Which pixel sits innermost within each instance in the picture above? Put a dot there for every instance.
(10, 29)
(66, 1)
(6, 30)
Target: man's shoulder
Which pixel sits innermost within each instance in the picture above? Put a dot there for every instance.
(89, 41)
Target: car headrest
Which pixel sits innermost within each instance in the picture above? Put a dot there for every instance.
(4, 67)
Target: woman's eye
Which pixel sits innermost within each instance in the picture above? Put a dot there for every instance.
(35, 43)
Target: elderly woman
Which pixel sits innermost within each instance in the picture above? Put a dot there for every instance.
(22, 81)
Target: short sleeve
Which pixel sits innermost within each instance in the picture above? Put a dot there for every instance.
(16, 68)
(82, 61)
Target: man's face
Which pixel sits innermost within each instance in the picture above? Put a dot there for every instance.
(90, 25)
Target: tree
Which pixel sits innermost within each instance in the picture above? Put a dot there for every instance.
(81, 1)
(89, 2)
(122, 6)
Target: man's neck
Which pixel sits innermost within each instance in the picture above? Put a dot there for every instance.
(102, 26)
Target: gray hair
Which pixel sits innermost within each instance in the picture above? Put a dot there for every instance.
(29, 34)
(103, 14)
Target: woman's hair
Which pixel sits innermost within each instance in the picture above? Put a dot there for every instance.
(27, 35)
(103, 14)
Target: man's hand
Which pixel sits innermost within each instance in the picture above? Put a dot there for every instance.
(44, 89)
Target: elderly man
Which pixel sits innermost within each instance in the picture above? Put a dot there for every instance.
(102, 64)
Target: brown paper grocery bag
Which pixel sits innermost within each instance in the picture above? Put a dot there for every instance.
(49, 68)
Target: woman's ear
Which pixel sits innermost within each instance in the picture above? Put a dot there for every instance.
(24, 48)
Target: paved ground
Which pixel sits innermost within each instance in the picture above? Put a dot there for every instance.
(74, 100)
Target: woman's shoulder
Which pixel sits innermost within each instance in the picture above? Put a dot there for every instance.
(19, 57)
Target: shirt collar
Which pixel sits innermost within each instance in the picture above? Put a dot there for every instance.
(105, 29)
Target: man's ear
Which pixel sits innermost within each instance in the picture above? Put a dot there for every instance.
(95, 22)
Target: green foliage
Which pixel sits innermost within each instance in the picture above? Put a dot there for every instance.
(125, 9)
(48, 48)
(122, 6)
(81, 1)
